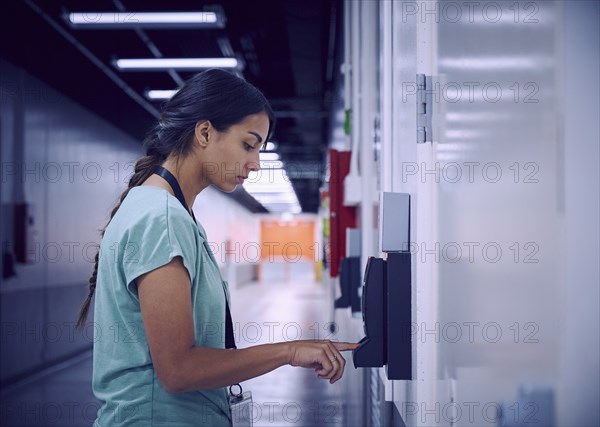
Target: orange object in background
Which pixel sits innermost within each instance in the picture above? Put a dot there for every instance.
(288, 241)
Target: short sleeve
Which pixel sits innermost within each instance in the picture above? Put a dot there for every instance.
(154, 240)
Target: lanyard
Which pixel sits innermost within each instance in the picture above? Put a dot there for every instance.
(168, 176)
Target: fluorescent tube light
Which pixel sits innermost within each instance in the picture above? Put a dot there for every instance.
(270, 146)
(268, 156)
(273, 190)
(161, 64)
(145, 20)
(161, 94)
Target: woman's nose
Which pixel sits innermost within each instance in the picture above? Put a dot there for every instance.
(254, 163)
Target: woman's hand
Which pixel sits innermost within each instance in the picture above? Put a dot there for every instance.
(323, 356)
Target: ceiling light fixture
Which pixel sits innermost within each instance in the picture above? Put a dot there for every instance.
(161, 64)
(160, 94)
(271, 146)
(145, 20)
(273, 190)
(268, 156)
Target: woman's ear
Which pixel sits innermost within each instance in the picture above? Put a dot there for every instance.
(202, 132)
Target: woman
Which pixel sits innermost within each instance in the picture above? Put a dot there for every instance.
(158, 288)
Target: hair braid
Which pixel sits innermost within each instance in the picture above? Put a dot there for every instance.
(144, 167)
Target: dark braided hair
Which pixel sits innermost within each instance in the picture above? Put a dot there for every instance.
(215, 95)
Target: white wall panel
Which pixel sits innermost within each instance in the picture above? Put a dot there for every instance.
(411, 54)
(500, 206)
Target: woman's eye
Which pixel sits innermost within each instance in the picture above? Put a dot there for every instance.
(248, 147)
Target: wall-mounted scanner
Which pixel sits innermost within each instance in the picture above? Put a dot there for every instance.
(349, 284)
(386, 296)
(350, 273)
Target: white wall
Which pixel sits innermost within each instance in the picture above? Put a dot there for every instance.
(70, 167)
(74, 167)
(505, 271)
(511, 284)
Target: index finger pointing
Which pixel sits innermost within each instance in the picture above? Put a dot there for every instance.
(346, 346)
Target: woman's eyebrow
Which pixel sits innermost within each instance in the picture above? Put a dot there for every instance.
(256, 135)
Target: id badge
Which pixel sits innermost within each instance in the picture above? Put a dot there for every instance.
(241, 407)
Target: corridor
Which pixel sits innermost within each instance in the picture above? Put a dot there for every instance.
(420, 177)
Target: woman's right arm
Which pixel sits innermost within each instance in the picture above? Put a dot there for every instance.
(181, 366)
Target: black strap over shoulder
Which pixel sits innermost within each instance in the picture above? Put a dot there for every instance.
(229, 338)
(168, 176)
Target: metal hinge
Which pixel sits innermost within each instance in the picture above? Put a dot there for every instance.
(424, 107)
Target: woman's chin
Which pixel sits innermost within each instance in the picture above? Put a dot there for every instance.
(227, 188)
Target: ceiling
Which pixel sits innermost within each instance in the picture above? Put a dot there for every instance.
(290, 50)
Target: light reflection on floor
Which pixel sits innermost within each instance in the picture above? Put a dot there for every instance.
(279, 310)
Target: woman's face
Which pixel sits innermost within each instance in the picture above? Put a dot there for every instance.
(230, 156)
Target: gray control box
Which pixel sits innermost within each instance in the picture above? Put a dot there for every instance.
(352, 242)
(394, 222)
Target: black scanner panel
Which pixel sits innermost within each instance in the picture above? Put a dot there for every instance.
(372, 351)
(386, 310)
(399, 320)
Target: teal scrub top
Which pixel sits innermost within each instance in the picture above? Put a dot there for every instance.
(149, 229)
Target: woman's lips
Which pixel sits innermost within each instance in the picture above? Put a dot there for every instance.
(240, 180)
